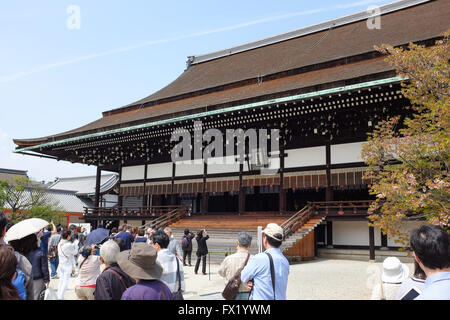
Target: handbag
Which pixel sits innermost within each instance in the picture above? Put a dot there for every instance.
(231, 290)
(48, 294)
(53, 252)
(178, 295)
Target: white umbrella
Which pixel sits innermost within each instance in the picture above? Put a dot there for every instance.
(25, 228)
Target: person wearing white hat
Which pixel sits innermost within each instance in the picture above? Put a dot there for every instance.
(267, 272)
(393, 274)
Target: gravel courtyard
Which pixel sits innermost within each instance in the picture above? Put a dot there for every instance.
(320, 279)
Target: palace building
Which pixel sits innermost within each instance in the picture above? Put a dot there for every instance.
(324, 87)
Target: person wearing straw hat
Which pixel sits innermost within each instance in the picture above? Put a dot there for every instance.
(140, 264)
(393, 274)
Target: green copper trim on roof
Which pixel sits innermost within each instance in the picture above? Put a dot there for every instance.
(225, 110)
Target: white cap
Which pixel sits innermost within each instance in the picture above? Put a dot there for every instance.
(274, 231)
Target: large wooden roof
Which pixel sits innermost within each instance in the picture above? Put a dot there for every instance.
(326, 58)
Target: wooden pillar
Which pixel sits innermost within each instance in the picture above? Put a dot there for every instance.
(144, 196)
(328, 190)
(282, 192)
(172, 196)
(97, 187)
(120, 198)
(329, 234)
(315, 242)
(371, 243)
(241, 190)
(204, 195)
(384, 241)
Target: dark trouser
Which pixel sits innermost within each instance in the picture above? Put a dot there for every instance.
(188, 255)
(197, 265)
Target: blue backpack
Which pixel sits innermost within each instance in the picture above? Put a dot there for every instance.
(19, 283)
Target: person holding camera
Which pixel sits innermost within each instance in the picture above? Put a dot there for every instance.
(202, 250)
(89, 270)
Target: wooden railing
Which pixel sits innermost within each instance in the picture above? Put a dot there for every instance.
(341, 208)
(324, 208)
(297, 220)
(150, 212)
(171, 217)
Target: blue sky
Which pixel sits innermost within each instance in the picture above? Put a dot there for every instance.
(54, 79)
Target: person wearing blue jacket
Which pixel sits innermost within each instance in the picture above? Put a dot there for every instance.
(28, 247)
(23, 264)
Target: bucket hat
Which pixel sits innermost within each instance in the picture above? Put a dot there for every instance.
(274, 231)
(140, 262)
(394, 271)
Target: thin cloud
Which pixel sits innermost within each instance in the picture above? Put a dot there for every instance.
(8, 78)
(3, 135)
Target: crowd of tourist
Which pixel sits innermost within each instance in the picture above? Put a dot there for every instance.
(431, 275)
(147, 264)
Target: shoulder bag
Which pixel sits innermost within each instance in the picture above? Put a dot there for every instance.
(178, 295)
(272, 274)
(125, 287)
(231, 290)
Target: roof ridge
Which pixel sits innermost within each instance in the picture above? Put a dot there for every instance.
(333, 23)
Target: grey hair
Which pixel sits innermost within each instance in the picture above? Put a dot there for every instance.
(244, 239)
(109, 251)
(167, 229)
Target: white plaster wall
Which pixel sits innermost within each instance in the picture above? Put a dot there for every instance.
(159, 170)
(222, 165)
(305, 157)
(189, 168)
(408, 227)
(133, 173)
(346, 153)
(353, 233)
(111, 199)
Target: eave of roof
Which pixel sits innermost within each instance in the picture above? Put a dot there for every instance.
(13, 171)
(214, 112)
(307, 82)
(85, 186)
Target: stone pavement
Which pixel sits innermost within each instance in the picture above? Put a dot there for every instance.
(320, 279)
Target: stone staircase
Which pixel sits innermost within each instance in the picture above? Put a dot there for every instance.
(223, 230)
(220, 243)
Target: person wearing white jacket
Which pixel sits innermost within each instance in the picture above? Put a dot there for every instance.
(66, 252)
